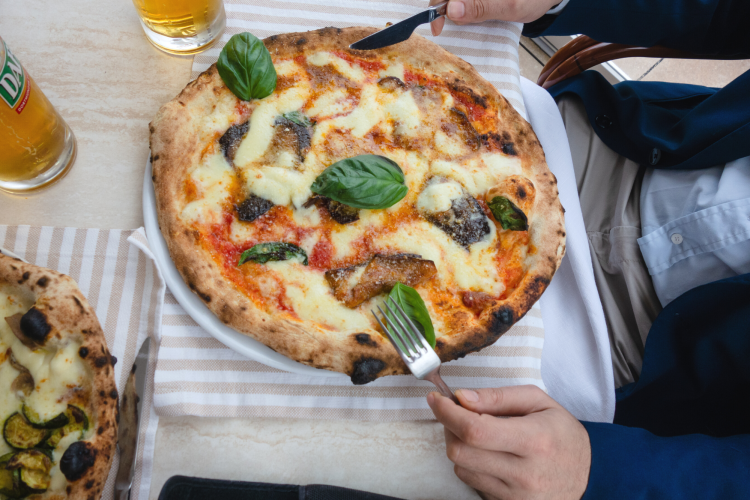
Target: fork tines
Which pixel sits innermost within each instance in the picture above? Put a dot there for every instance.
(411, 343)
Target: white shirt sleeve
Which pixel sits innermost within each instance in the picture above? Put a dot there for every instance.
(558, 8)
(695, 226)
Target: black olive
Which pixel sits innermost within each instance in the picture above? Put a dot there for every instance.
(77, 459)
(34, 325)
(252, 208)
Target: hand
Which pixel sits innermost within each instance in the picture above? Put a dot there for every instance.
(541, 451)
(476, 11)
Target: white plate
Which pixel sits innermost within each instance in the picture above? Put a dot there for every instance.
(197, 309)
(10, 254)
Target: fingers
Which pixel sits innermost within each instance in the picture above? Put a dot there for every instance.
(505, 466)
(437, 25)
(481, 431)
(506, 401)
(488, 487)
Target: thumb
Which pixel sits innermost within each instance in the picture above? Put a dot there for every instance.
(506, 401)
(474, 11)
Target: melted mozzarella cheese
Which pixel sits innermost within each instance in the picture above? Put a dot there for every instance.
(261, 131)
(469, 270)
(212, 179)
(478, 174)
(332, 103)
(312, 298)
(438, 196)
(396, 70)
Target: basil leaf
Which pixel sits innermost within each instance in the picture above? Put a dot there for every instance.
(413, 305)
(298, 118)
(264, 252)
(245, 66)
(364, 181)
(508, 214)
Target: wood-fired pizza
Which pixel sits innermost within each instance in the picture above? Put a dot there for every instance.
(399, 171)
(58, 399)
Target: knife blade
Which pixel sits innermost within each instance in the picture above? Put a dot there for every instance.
(400, 31)
(130, 412)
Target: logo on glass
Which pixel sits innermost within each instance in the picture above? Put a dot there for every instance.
(13, 85)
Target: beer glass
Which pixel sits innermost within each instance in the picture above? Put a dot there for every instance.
(182, 26)
(36, 145)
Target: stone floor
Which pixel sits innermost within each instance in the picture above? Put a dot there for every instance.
(698, 72)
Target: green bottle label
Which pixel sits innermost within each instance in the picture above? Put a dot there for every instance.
(13, 82)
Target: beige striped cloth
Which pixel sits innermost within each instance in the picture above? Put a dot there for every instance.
(123, 286)
(491, 47)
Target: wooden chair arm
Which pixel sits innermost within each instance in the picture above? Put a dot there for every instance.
(583, 53)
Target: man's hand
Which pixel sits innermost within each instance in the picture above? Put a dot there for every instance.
(541, 451)
(476, 11)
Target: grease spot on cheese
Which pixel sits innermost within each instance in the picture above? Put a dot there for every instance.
(350, 71)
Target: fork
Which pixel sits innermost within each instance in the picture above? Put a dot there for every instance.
(413, 348)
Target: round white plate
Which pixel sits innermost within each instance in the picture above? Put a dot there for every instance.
(10, 254)
(197, 309)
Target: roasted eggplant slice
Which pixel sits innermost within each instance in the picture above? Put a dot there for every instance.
(24, 382)
(252, 208)
(478, 301)
(465, 129)
(356, 284)
(391, 83)
(293, 132)
(343, 214)
(450, 207)
(231, 140)
(34, 419)
(19, 433)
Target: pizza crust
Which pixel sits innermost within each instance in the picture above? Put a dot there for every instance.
(69, 314)
(364, 356)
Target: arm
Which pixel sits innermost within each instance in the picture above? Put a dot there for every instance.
(701, 26)
(628, 462)
(542, 451)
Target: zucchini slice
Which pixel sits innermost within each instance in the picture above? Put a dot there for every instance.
(10, 483)
(77, 422)
(36, 480)
(34, 420)
(30, 459)
(18, 433)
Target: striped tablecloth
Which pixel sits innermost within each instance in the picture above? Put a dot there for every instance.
(122, 285)
(491, 47)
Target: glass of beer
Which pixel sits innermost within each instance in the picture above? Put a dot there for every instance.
(36, 146)
(182, 26)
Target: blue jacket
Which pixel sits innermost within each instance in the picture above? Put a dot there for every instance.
(683, 429)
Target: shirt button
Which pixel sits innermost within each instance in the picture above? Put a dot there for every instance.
(655, 156)
(603, 121)
(676, 238)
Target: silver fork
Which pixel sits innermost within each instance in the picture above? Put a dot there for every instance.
(418, 355)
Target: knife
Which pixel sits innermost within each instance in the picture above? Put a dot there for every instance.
(400, 31)
(130, 412)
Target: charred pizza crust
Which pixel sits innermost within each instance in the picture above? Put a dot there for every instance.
(364, 356)
(62, 308)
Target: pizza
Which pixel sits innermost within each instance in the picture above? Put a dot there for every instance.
(58, 399)
(243, 200)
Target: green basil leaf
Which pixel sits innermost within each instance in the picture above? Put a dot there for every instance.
(245, 66)
(364, 181)
(298, 118)
(413, 305)
(508, 214)
(264, 252)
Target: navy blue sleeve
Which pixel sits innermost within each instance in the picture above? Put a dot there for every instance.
(708, 27)
(631, 463)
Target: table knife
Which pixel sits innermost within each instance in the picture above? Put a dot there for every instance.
(400, 31)
(130, 412)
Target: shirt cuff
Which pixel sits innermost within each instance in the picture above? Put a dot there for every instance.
(558, 8)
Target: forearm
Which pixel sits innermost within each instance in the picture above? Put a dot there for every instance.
(703, 26)
(628, 463)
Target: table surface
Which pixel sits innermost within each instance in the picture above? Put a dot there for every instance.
(93, 62)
